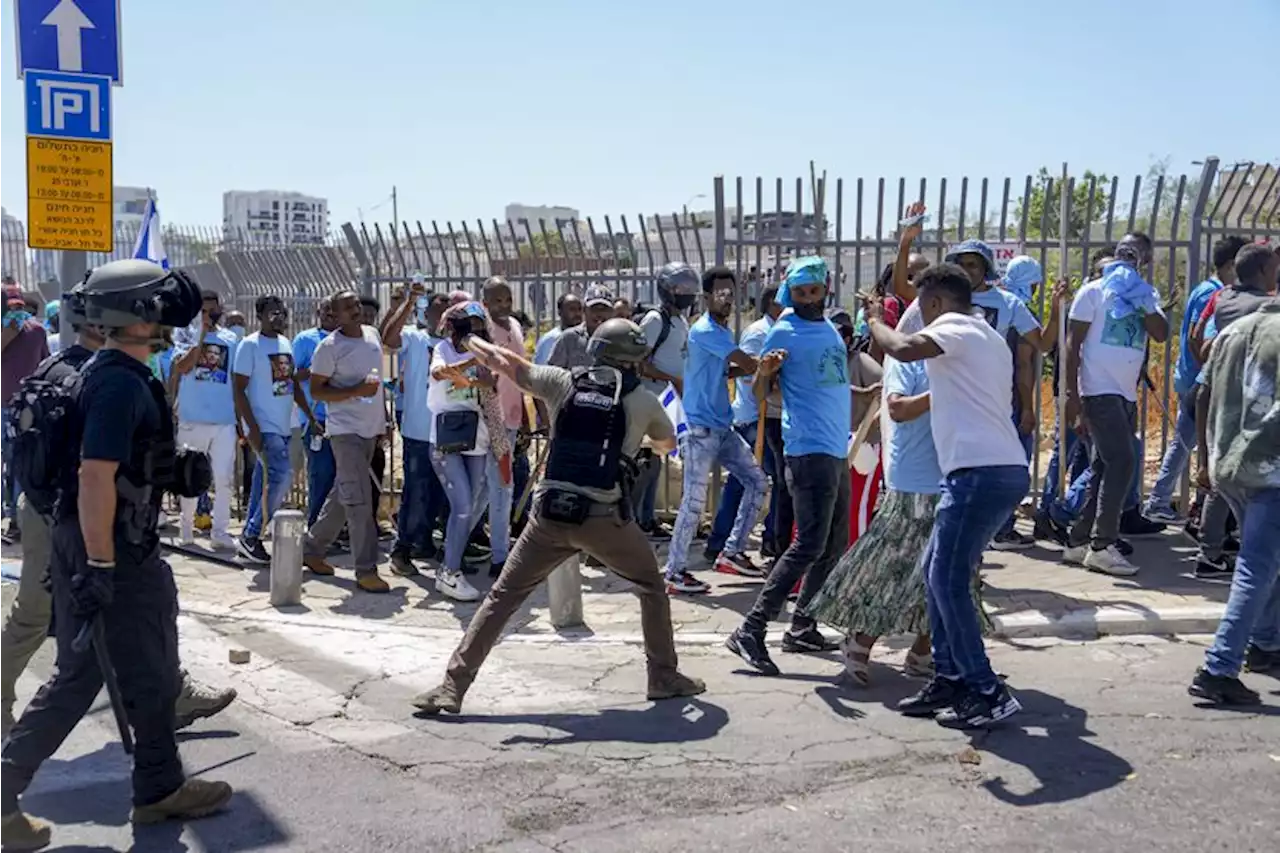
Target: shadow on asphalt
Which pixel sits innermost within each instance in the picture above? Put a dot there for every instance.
(670, 721)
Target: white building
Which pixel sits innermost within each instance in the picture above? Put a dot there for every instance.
(128, 204)
(274, 216)
(536, 215)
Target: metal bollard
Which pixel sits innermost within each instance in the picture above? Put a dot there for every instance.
(288, 528)
(564, 589)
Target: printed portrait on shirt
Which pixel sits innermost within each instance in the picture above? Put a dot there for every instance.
(281, 373)
(833, 367)
(1127, 331)
(212, 366)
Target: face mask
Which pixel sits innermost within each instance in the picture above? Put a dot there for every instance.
(238, 331)
(684, 301)
(809, 310)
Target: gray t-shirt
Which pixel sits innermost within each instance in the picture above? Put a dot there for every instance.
(669, 358)
(348, 362)
(570, 349)
(645, 417)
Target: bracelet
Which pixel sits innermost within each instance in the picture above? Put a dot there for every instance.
(101, 564)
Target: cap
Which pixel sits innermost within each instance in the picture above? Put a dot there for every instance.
(598, 294)
(975, 247)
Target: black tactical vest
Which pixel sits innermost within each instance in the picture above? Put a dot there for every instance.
(590, 428)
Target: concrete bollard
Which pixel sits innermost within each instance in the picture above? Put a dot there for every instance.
(564, 589)
(288, 529)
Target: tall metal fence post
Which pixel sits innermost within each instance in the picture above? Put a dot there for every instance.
(719, 227)
(1195, 240)
(363, 262)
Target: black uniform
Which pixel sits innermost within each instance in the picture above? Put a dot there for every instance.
(125, 420)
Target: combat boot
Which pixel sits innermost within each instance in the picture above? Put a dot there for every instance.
(442, 698)
(195, 702)
(196, 798)
(20, 832)
(674, 685)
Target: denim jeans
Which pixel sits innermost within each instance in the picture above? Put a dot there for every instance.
(500, 498)
(1177, 456)
(647, 507)
(974, 502)
(321, 472)
(821, 492)
(1028, 443)
(279, 477)
(700, 449)
(1077, 464)
(1254, 605)
(421, 501)
(463, 478)
(731, 498)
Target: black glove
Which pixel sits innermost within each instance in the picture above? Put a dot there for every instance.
(92, 590)
(192, 473)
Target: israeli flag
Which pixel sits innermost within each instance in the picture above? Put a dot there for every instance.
(675, 411)
(150, 244)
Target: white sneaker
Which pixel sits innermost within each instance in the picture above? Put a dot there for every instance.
(223, 541)
(1074, 556)
(1109, 561)
(454, 585)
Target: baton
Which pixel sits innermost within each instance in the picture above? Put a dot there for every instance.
(760, 412)
(533, 477)
(95, 631)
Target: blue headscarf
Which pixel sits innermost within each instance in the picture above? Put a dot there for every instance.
(975, 247)
(1126, 291)
(802, 271)
(1022, 276)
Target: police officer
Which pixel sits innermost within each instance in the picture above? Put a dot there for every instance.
(105, 562)
(599, 417)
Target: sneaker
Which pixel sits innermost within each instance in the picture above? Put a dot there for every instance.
(426, 552)
(1012, 540)
(658, 532)
(752, 651)
(710, 554)
(674, 685)
(1124, 547)
(1048, 530)
(223, 542)
(1163, 514)
(1261, 660)
(1192, 529)
(1219, 569)
(1133, 523)
(437, 699)
(1073, 555)
(808, 641)
(18, 831)
(738, 564)
(451, 584)
(402, 564)
(939, 693)
(1221, 690)
(474, 553)
(1109, 561)
(196, 798)
(318, 566)
(372, 582)
(976, 710)
(251, 550)
(196, 702)
(480, 539)
(686, 583)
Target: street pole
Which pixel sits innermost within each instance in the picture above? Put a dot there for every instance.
(71, 269)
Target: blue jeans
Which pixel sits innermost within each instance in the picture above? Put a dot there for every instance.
(701, 448)
(731, 499)
(279, 477)
(1077, 464)
(519, 480)
(500, 498)
(463, 478)
(1065, 511)
(422, 499)
(646, 511)
(1254, 605)
(1028, 443)
(1177, 456)
(974, 502)
(321, 472)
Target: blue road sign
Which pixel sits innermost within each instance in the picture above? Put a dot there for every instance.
(74, 36)
(68, 106)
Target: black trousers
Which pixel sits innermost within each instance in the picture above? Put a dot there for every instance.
(785, 515)
(142, 642)
(820, 493)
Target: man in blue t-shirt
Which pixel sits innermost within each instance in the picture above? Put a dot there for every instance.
(207, 415)
(321, 470)
(804, 355)
(1159, 505)
(713, 359)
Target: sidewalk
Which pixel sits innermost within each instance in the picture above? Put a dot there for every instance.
(1028, 594)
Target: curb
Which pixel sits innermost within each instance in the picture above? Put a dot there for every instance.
(1077, 625)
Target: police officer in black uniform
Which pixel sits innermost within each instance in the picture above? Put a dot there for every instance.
(599, 417)
(105, 566)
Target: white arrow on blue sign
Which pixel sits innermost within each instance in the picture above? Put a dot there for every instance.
(72, 36)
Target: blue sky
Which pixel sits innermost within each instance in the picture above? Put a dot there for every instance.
(616, 107)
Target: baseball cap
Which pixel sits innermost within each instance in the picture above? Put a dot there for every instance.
(598, 294)
(975, 247)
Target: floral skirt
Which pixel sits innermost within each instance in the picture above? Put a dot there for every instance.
(877, 587)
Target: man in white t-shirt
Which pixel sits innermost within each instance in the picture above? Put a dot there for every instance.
(984, 471)
(1110, 321)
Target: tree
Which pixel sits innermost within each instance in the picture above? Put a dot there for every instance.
(1044, 204)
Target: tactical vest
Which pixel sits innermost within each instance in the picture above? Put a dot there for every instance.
(590, 428)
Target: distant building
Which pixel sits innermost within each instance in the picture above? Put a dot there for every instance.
(274, 216)
(537, 216)
(128, 204)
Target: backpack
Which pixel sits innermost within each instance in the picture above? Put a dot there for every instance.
(642, 311)
(44, 428)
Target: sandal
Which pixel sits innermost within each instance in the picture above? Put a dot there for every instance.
(857, 661)
(918, 666)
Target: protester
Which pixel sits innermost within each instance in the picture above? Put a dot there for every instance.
(569, 311)
(370, 308)
(1239, 449)
(24, 345)
(570, 347)
(265, 393)
(805, 356)
(320, 467)
(1110, 321)
(984, 475)
(506, 332)
(865, 374)
(346, 373)
(711, 439)
(622, 308)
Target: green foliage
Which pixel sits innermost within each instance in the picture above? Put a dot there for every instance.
(1044, 204)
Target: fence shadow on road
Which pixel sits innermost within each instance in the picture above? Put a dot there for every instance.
(661, 722)
(1065, 762)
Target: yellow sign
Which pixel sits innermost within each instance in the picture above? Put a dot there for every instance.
(69, 195)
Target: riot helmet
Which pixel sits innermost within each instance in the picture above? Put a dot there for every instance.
(618, 343)
(128, 292)
(679, 284)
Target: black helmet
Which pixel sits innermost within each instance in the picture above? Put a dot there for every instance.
(679, 283)
(617, 343)
(122, 293)
(72, 307)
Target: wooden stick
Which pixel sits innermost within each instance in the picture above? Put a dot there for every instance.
(760, 409)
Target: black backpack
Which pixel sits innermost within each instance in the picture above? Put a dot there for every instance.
(44, 428)
(642, 311)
